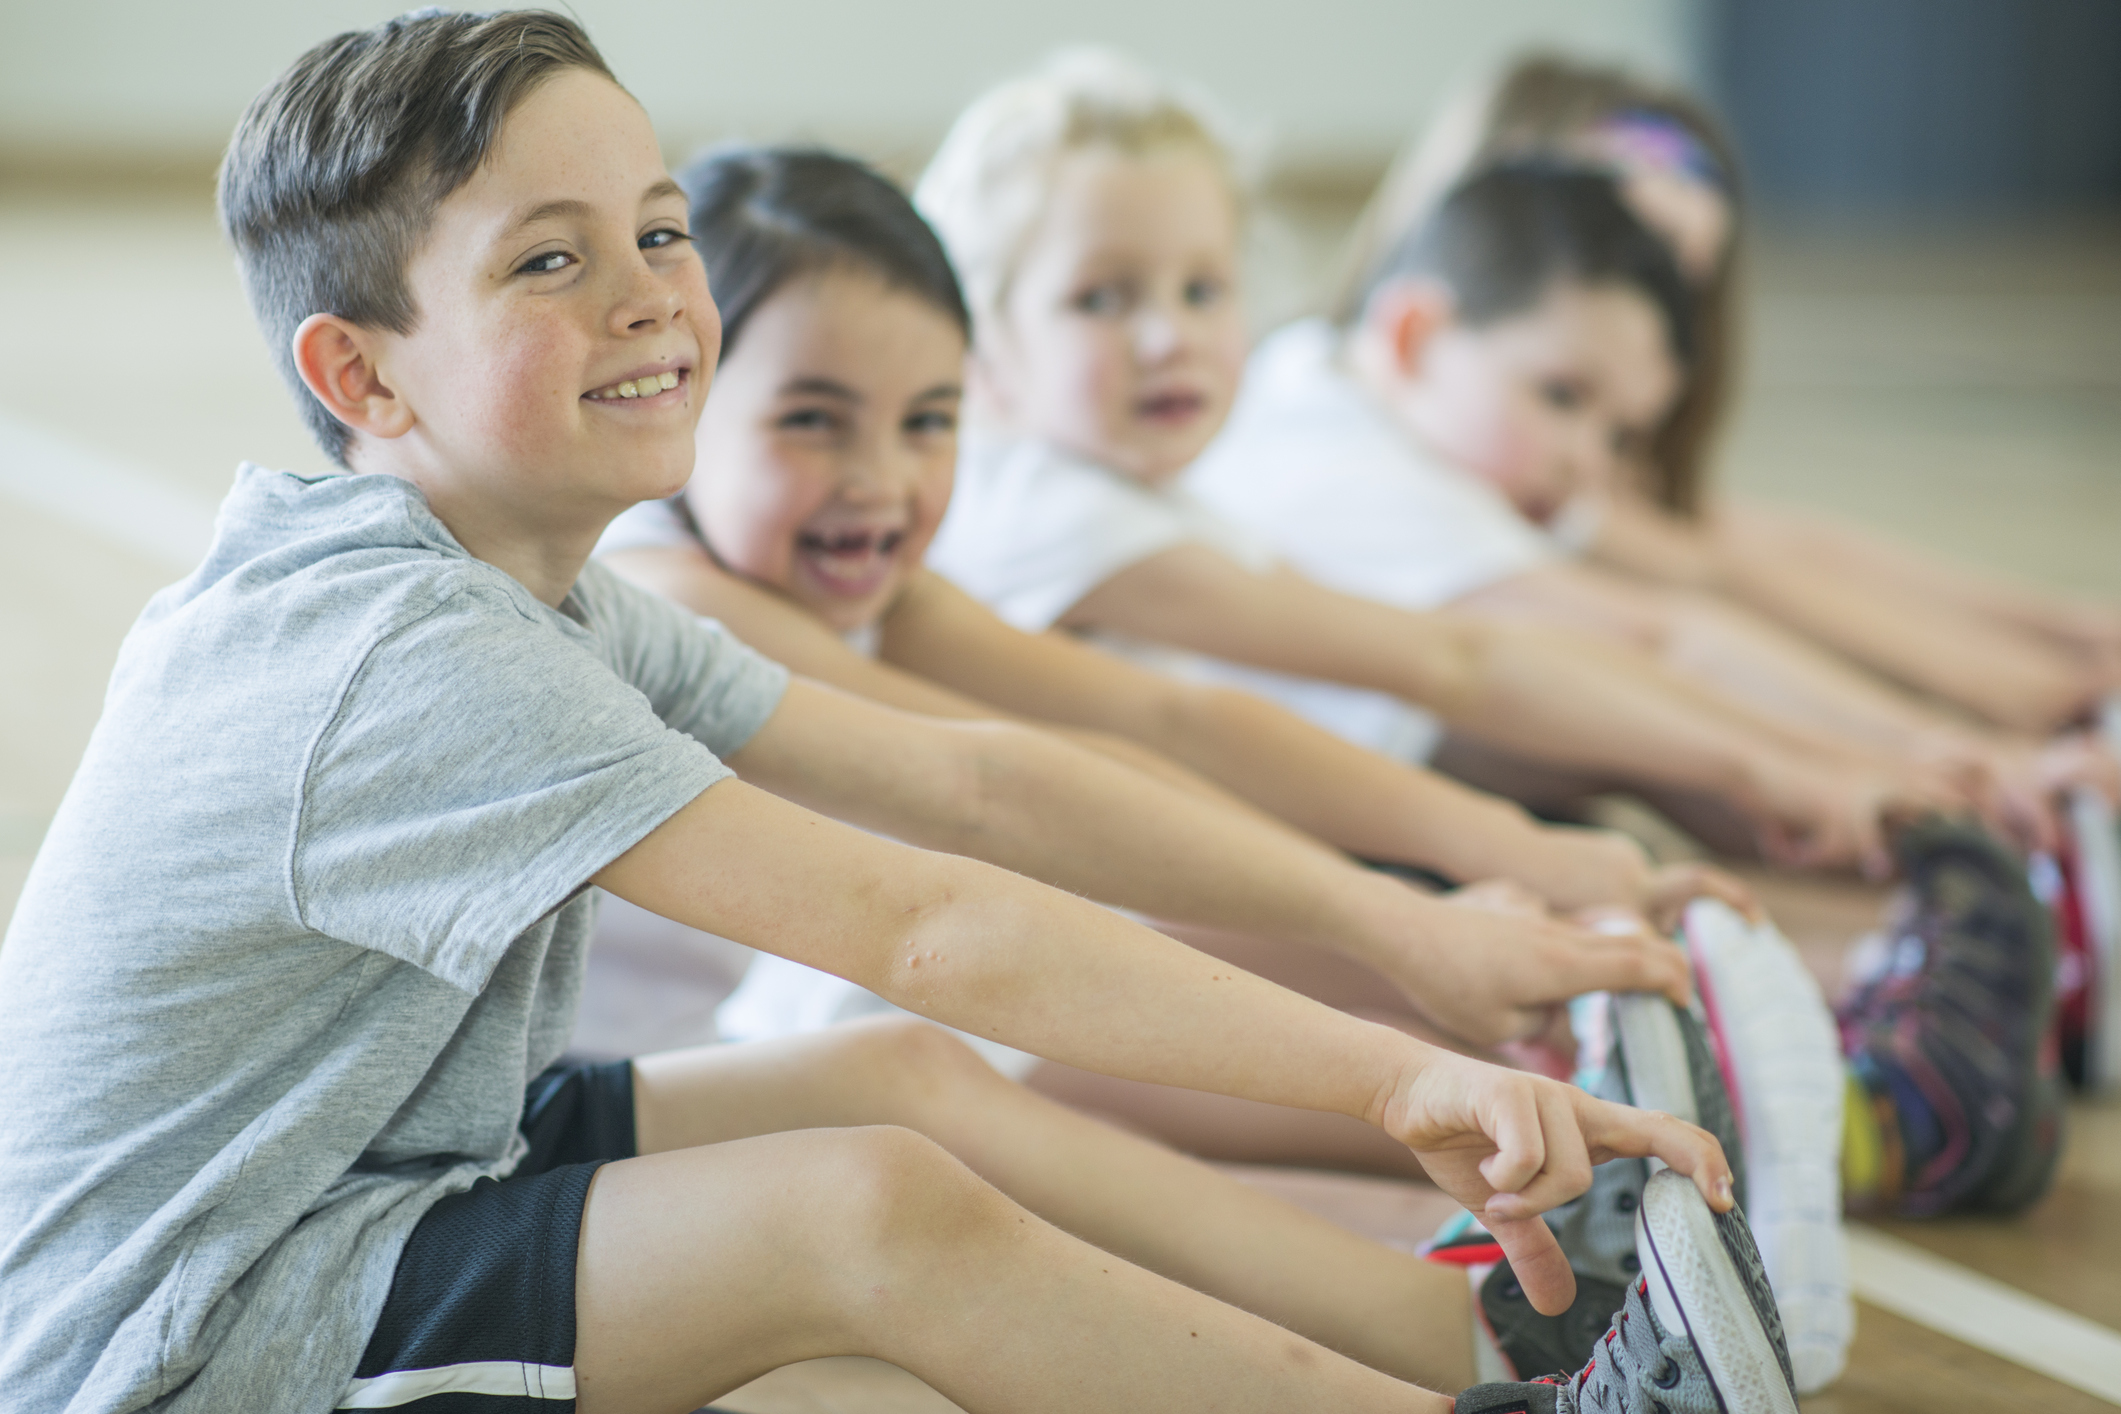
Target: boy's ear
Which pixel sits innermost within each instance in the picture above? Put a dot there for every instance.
(337, 362)
(1403, 316)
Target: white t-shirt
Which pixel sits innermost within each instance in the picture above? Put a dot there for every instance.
(1310, 465)
(650, 525)
(1032, 529)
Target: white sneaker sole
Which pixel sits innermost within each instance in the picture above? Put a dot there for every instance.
(1695, 1288)
(2098, 873)
(1659, 1077)
(1788, 1083)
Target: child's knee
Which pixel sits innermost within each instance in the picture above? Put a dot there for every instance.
(895, 1193)
(918, 1058)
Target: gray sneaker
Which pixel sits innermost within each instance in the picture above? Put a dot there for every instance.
(1659, 1059)
(1698, 1332)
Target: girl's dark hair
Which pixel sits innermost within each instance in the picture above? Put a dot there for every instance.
(762, 216)
(1505, 236)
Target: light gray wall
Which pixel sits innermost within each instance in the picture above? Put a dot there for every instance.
(1335, 81)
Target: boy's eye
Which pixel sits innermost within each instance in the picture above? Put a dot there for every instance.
(1562, 394)
(926, 423)
(662, 239)
(545, 263)
(1203, 292)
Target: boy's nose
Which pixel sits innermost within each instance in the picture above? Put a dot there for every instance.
(1156, 336)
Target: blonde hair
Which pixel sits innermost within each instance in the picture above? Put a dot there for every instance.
(1544, 104)
(985, 190)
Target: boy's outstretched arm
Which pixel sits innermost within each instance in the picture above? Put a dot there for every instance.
(998, 955)
(1024, 799)
(1544, 695)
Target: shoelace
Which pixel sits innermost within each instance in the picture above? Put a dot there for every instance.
(1603, 1384)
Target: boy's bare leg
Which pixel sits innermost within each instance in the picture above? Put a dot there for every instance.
(1131, 1198)
(704, 1268)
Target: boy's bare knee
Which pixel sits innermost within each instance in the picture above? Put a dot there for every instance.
(894, 1195)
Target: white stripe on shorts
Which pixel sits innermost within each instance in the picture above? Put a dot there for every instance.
(509, 1377)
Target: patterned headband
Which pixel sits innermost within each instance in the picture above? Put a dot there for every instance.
(1643, 137)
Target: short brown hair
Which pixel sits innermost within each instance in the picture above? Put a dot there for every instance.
(336, 169)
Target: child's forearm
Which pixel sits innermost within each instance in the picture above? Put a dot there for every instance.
(996, 955)
(1378, 808)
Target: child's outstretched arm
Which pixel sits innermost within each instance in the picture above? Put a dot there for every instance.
(998, 955)
(2013, 656)
(1554, 698)
(1021, 798)
(948, 655)
(1354, 799)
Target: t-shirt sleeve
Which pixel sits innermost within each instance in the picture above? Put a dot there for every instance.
(480, 767)
(1031, 533)
(697, 675)
(651, 525)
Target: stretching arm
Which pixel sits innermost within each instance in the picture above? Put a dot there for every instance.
(1000, 956)
(1021, 798)
(1569, 701)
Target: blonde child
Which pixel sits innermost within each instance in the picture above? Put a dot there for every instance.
(313, 915)
(2019, 657)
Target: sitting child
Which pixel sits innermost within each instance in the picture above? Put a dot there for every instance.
(1106, 353)
(2023, 658)
(312, 917)
(1511, 353)
(825, 454)
(1092, 219)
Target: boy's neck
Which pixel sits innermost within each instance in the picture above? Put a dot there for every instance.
(543, 553)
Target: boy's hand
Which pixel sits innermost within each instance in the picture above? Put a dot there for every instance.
(1491, 965)
(1509, 1146)
(1585, 868)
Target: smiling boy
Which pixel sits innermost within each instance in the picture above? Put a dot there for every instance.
(312, 914)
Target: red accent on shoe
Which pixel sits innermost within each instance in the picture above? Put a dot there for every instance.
(1470, 1254)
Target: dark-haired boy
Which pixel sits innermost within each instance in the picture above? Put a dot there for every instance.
(312, 914)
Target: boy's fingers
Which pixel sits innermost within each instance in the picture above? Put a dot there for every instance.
(1519, 1138)
(1566, 1173)
(1536, 1260)
(1618, 1131)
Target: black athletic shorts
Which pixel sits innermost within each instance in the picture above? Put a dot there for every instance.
(480, 1316)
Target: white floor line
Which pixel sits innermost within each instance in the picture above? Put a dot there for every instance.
(1984, 1313)
(121, 502)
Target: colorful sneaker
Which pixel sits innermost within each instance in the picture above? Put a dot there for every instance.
(1953, 1038)
(1698, 1332)
(2085, 897)
(1775, 1040)
(1657, 1057)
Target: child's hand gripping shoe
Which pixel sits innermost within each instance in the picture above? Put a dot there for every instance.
(1658, 1058)
(1698, 1333)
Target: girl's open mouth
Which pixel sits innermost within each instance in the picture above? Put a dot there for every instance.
(855, 563)
(1171, 408)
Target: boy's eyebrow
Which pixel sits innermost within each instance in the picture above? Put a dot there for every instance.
(570, 206)
(941, 390)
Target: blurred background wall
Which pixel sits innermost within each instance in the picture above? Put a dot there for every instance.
(147, 84)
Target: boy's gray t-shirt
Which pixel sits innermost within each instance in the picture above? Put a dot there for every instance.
(311, 915)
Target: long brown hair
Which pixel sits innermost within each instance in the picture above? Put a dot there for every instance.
(1541, 105)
